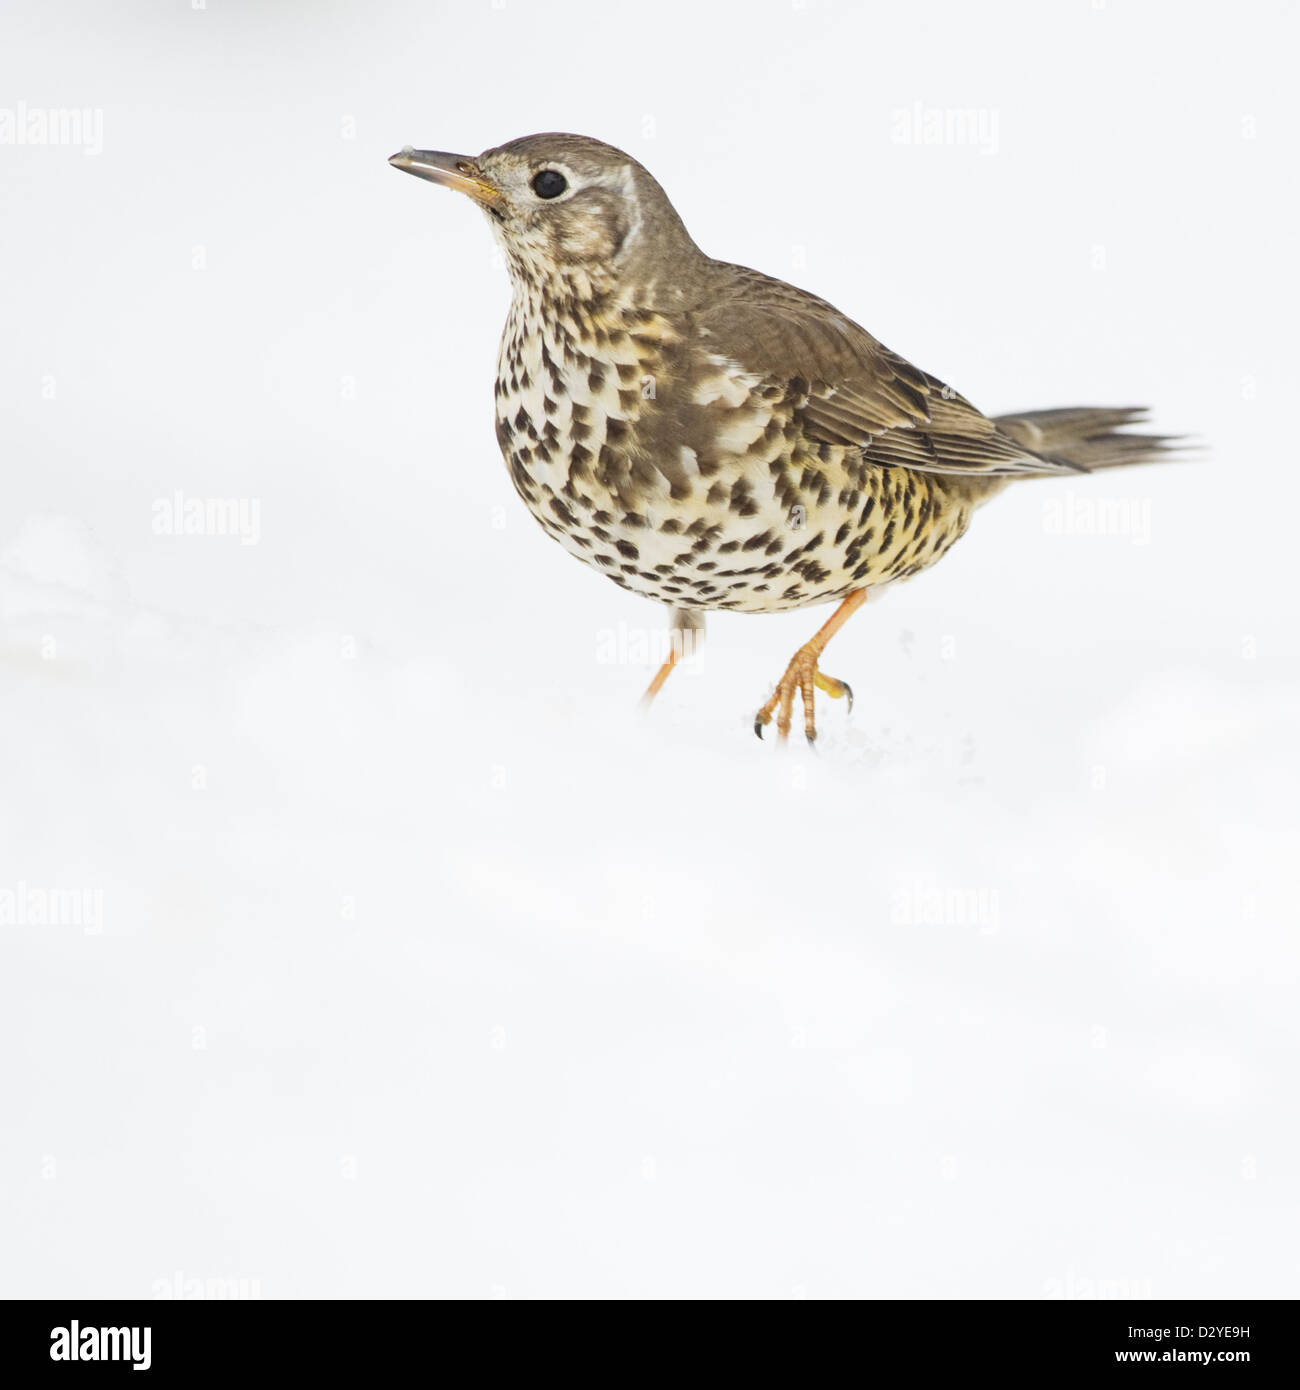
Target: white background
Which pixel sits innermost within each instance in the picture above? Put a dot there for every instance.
(427, 965)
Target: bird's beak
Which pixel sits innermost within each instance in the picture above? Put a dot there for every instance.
(456, 171)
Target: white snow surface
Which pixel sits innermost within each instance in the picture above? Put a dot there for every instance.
(398, 952)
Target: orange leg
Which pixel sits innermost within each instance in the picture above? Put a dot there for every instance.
(661, 675)
(686, 634)
(802, 675)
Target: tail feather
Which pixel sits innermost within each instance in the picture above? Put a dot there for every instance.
(1089, 437)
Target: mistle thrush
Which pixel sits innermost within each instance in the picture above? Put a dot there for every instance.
(714, 438)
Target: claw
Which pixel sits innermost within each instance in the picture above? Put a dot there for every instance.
(802, 677)
(835, 688)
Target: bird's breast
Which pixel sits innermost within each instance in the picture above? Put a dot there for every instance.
(574, 391)
(668, 467)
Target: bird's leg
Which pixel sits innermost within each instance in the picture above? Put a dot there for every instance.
(686, 633)
(661, 675)
(802, 675)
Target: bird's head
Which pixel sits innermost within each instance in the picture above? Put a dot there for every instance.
(566, 208)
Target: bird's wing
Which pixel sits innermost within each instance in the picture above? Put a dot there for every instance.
(850, 390)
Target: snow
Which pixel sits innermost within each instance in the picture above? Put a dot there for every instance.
(398, 952)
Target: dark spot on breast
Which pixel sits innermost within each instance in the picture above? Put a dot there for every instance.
(742, 500)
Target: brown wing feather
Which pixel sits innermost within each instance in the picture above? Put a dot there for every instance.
(852, 390)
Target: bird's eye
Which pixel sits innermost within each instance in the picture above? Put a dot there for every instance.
(550, 183)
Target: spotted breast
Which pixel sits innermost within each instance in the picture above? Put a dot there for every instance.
(690, 479)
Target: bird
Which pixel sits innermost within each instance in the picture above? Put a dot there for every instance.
(713, 438)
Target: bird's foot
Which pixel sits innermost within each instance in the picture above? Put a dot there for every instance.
(801, 675)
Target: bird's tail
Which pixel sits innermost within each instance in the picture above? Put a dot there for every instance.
(1088, 437)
